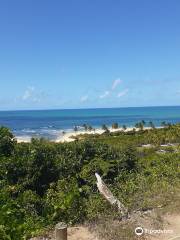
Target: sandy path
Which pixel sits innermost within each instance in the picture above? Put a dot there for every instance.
(172, 223)
(80, 233)
(73, 233)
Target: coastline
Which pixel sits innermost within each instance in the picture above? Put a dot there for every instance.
(71, 136)
(63, 125)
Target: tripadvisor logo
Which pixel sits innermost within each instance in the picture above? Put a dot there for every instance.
(139, 231)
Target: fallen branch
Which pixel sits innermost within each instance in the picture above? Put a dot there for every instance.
(104, 190)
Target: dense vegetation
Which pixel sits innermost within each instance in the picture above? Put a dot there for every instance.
(42, 182)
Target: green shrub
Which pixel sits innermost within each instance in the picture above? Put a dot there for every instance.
(42, 182)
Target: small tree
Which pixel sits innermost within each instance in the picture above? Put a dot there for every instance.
(7, 141)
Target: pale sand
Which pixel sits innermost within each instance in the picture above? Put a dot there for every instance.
(70, 136)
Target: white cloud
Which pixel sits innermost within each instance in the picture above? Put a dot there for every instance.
(116, 83)
(28, 93)
(33, 95)
(105, 94)
(123, 93)
(84, 98)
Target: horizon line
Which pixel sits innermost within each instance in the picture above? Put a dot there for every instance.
(88, 108)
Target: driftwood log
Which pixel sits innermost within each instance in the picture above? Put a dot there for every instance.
(107, 194)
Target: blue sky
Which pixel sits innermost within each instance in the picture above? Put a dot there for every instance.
(89, 53)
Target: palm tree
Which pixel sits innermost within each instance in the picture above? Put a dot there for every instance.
(168, 124)
(75, 128)
(105, 128)
(139, 125)
(85, 126)
(115, 125)
(164, 124)
(151, 124)
(134, 130)
(90, 128)
(124, 127)
(143, 122)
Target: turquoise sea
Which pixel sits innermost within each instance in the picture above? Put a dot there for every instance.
(51, 123)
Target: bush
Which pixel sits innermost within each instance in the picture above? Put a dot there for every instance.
(42, 183)
(7, 142)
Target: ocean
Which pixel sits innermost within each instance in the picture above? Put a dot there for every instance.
(51, 123)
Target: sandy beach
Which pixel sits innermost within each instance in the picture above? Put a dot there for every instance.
(71, 136)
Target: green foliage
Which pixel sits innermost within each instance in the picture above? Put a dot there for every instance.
(42, 182)
(63, 202)
(7, 142)
(3, 234)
